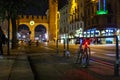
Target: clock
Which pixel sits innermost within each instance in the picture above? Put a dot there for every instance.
(32, 22)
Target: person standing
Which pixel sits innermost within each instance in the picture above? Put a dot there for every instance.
(2, 40)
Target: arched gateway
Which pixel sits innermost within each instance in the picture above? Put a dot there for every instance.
(32, 22)
(49, 21)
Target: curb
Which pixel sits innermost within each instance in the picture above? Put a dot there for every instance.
(21, 69)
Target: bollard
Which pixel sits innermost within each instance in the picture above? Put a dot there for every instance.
(116, 67)
(67, 43)
(64, 48)
(57, 47)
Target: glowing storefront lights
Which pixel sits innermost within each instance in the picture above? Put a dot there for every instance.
(118, 32)
(46, 36)
(79, 33)
(23, 36)
(18, 34)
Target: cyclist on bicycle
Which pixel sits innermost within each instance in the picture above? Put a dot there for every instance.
(86, 50)
(84, 44)
(82, 51)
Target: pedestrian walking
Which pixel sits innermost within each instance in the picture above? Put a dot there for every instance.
(2, 41)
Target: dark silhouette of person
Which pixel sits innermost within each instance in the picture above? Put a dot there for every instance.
(2, 40)
(37, 43)
(29, 42)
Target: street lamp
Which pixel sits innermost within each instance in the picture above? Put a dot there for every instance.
(70, 22)
(94, 1)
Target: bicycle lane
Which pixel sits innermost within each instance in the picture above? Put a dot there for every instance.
(79, 74)
(72, 71)
(95, 71)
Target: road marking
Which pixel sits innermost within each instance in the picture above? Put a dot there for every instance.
(33, 54)
(111, 55)
(49, 48)
(93, 52)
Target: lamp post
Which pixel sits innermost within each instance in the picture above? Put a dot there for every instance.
(70, 22)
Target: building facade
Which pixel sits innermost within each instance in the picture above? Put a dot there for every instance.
(63, 23)
(53, 14)
(102, 19)
(71, 23)
(90, 18)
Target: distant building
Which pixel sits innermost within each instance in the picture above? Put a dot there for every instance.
(71, 24)
(63, 23)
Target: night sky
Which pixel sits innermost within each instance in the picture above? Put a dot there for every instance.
(39, 7)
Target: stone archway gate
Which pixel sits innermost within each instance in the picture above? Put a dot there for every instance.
(32, 22)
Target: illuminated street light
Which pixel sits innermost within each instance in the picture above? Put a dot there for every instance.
(94, 1)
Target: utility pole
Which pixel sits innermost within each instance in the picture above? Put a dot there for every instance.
(116, 68)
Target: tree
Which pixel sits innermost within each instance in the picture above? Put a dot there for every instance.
(9, 9)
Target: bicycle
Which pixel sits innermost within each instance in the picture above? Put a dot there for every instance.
(83, 55)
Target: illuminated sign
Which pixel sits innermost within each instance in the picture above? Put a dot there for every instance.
(102, 7)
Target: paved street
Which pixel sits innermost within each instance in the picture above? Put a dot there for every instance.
(60, 39)
(42, 63)
(56, 67)
(47, 63)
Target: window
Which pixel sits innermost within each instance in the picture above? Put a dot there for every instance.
(109, 19)
(110, 8)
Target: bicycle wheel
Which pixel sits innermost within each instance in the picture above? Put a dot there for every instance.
(76, 57)
(87, 56)
(81, 58)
